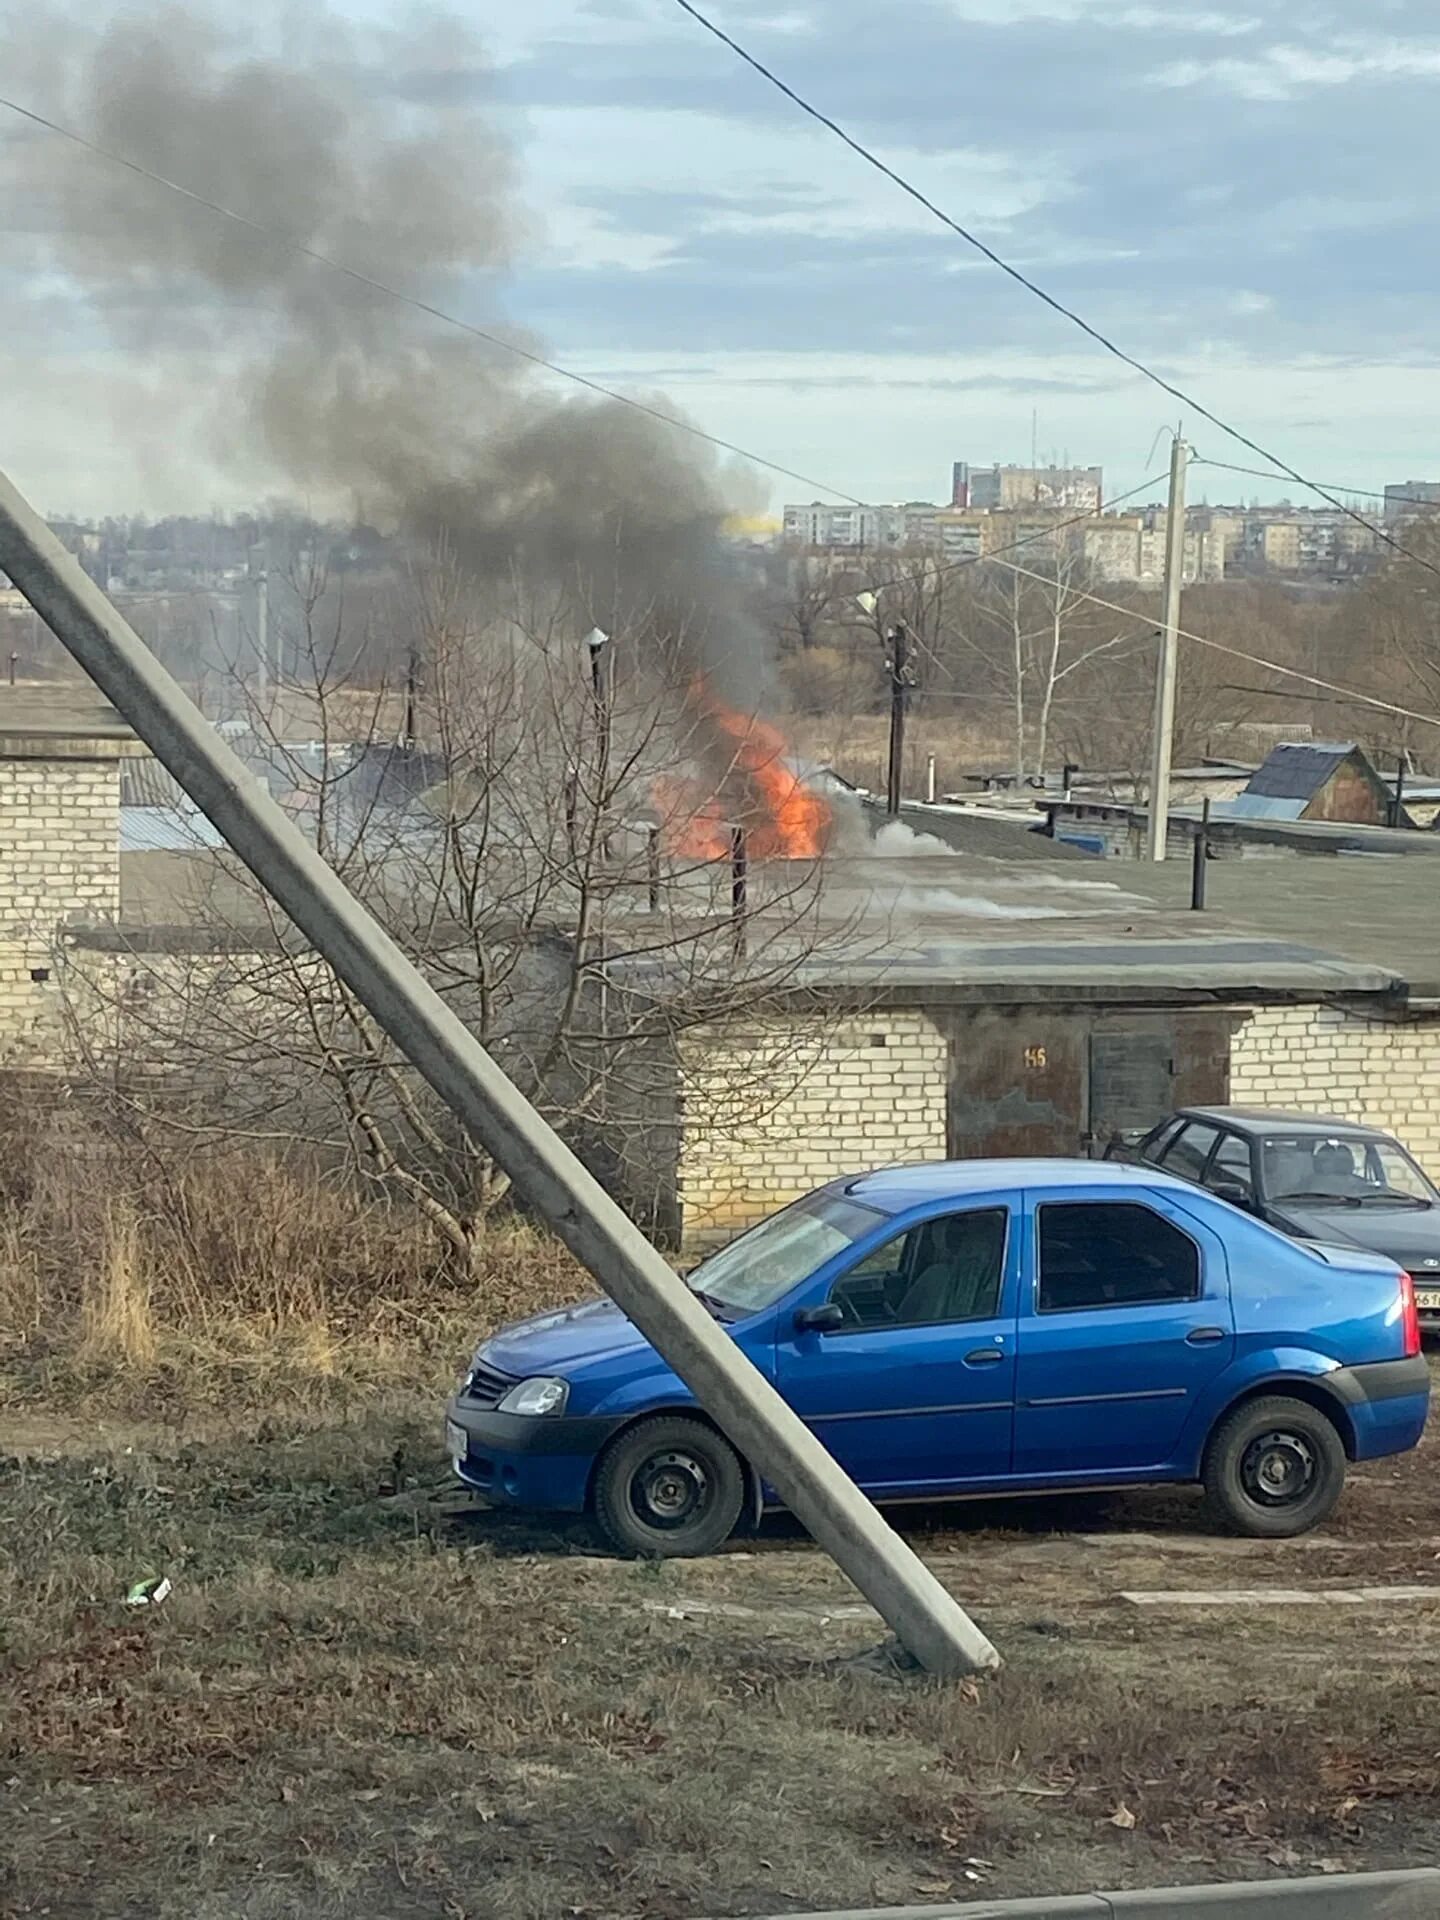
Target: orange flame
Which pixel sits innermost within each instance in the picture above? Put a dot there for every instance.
(692, 824)
(782, 818)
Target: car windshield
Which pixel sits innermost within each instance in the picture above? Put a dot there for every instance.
(763, 1265)
(1343, 1170)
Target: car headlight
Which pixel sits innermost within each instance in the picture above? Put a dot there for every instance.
(536, 1397)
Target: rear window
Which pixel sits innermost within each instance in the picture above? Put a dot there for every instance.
(1113, 1254)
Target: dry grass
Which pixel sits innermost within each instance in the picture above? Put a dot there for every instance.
(350, 1709)
(858, 747)
(117, 1321)
(164, 1280)
(231, 1373)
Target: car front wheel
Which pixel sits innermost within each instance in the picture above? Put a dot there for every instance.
(1274, 1468)
(671, 1488)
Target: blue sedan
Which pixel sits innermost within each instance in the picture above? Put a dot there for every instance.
(979, 1328)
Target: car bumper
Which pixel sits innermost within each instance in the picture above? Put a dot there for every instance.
(518, 1461)
(1388, 1404)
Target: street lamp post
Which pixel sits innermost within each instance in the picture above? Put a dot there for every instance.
(598, 641)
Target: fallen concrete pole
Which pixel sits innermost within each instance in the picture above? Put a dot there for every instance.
(926, 1619)
(1410, 1895)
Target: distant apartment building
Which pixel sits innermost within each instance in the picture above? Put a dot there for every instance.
(994, 509)
(965, 534)
(863, 529)
(1111, 545)
(1306, 542)
(1000, 489)
(1411, 498)
(1280, 545)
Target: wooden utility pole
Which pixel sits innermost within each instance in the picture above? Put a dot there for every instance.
(1163, 743)
(902, 678)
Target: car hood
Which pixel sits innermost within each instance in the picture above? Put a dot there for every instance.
(1407, 1235)
(556, 1342)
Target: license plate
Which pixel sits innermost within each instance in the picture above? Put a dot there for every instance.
(457, 1441)
(1428, 1299)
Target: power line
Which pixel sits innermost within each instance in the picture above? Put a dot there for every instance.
(1021, 279)
(1363, 493)
(1014, 546)
(411, 300)
(1031, 539)
(1252, 659)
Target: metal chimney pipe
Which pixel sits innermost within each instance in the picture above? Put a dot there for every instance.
(1198, 873)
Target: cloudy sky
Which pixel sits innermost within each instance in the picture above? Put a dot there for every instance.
(1239, 191)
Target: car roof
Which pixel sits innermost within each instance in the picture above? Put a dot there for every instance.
(1259, 1120)
(896, 1189)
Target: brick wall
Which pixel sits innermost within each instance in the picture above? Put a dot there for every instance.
(59, 860)
(1384, 1072)
(770, 1112)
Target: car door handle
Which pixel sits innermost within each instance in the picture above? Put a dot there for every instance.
(1204, 1336)
(984, 1357)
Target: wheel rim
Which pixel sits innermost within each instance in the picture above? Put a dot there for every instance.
(671, 1490)
(1279, 1468)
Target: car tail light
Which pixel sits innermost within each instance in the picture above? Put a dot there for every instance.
(1409, 1316)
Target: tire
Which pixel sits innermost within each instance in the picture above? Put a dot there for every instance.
(1274, 1468)
(670, 1489)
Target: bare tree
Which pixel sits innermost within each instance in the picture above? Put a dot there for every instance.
(1388, 645)
(554, 853)
(1031, 633)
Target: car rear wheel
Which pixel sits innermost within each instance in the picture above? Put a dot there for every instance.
(671, 1488)
(1274, 1468)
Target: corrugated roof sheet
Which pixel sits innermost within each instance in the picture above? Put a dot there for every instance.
(1298, 772)
(1259, 806)
(165, 830)
(145, 783)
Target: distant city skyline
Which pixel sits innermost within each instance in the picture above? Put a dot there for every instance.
(686, 235)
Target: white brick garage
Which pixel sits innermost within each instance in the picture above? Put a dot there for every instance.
(769, 1111)
(60, 754)
(1331, 1060)
(898, 1085)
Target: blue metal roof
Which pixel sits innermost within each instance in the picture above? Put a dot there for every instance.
(1261, 806)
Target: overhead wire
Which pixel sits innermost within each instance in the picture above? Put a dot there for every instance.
(1252, 659)
(1335, 486)
(1040, 534)
(420, 305)
(908, 187)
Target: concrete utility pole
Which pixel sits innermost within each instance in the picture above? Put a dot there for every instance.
(547, 1175)
(1164, 734)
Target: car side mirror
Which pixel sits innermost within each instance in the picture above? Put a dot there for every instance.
(827, 1319)
(1237, 1195)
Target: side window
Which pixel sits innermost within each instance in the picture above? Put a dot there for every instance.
(1108, 1254)
(946, 1270)
(1231, 1165)
(1190, 1149)
(1160, 1139)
